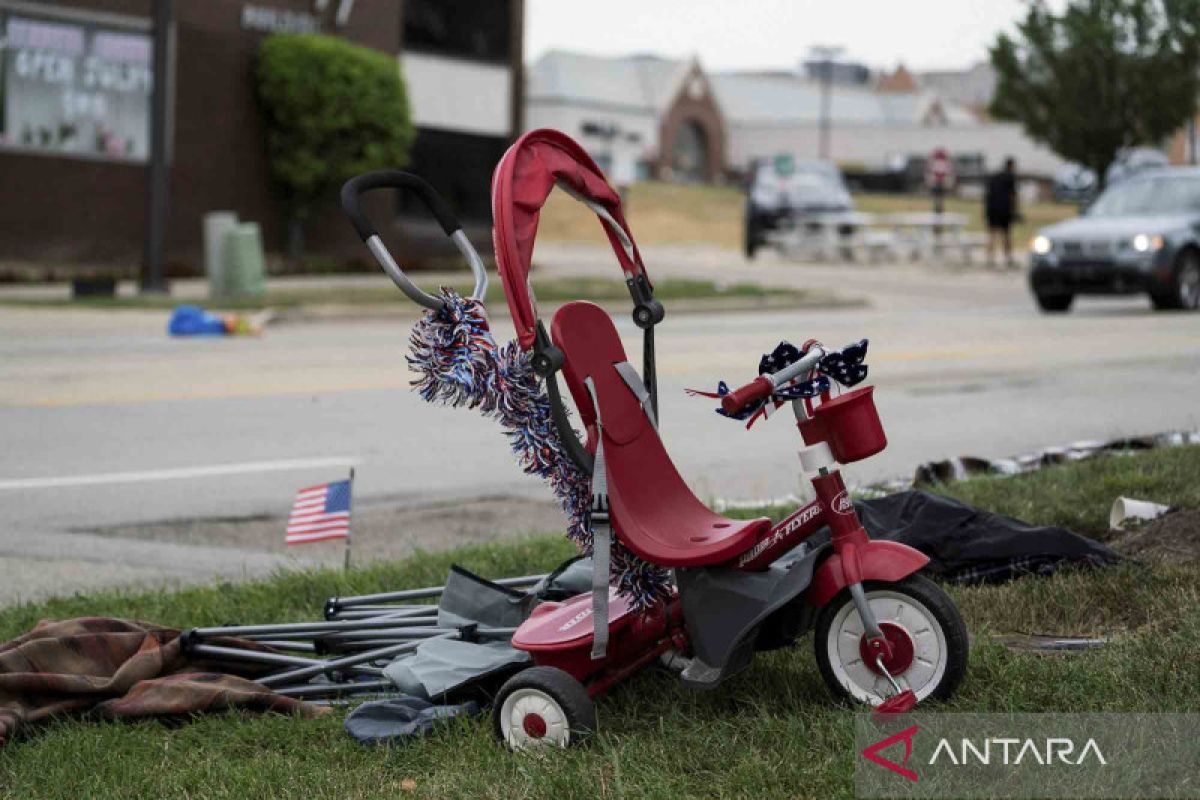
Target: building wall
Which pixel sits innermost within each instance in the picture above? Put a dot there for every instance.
(462, 62)
(575, 120)
(694, 104)
(76, 209)
(870, 145)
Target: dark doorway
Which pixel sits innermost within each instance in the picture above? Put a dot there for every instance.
(689, 154)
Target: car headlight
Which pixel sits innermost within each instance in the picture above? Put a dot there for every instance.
(1145, 243)
(1041, 245)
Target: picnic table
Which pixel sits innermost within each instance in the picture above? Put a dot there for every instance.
(932, 236)
(825, 234)
(859, 236)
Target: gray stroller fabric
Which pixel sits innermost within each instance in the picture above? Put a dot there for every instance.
(572, 577)
(440, 667)
(396, 720)
(469, 598)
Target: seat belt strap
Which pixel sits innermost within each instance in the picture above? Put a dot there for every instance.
(601, 537)
(630, 376)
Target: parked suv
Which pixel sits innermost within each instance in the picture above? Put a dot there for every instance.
(783, 191)
(1140, 235)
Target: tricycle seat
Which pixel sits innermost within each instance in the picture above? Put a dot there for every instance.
(653, 511)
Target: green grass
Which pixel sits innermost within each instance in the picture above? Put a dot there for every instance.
(550, 291)
(1079, 496)
(772, 732)
(1034, 216)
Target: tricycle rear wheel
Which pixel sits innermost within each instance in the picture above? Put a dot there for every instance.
(541, 707)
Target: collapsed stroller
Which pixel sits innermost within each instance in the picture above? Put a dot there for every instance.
(672, 580)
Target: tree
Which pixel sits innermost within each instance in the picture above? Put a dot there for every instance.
(1100, 76)
(332, 111)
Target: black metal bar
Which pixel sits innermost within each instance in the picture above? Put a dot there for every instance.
(255, 656)
(348, 662)
(424, 593)
(388, 633)
(283, 630)
(305, 647)
(414, 618)
(321, 689)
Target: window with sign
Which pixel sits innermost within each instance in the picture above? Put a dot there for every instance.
(75, 88)
(472, 29)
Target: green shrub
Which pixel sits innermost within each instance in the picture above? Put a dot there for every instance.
(332, 110)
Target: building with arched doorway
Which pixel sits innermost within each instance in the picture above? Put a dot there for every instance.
(639, 116)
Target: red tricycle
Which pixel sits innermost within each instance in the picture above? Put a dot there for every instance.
(884, 635)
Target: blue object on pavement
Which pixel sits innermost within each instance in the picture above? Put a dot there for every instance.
(195, 321)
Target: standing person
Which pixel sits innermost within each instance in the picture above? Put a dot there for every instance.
(939, 178)
(1000, 209)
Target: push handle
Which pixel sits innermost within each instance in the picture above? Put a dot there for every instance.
(757, 389)
(352, 193)
(356, 187)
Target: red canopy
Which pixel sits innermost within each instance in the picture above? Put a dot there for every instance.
(523, 179)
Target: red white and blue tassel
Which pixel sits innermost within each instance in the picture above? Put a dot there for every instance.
(459, 364)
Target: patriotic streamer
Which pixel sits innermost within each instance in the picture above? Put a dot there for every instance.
(459, 364)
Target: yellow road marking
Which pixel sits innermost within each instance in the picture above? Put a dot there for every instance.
(675, 366)
(692, 363)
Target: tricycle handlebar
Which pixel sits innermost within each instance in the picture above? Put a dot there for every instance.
(764, 385)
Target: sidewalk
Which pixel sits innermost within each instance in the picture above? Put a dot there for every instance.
(886, 286)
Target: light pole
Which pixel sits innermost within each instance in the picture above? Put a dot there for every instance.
(158, 178)
(823, 56)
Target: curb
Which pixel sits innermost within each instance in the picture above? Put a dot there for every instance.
(337, 312)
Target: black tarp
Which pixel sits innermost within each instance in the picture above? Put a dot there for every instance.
(968, 545)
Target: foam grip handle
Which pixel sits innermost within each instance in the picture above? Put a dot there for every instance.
(354, 188)
(758, 389)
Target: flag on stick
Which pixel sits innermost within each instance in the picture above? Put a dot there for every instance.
(320, 513)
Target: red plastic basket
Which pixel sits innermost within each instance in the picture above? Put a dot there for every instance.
(849, 424)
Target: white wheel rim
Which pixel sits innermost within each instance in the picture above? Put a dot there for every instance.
(930, 652)
(524, 702)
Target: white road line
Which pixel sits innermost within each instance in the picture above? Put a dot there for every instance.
(177, 474)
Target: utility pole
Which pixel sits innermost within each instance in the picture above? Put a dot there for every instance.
(823, 56)
(158, 173)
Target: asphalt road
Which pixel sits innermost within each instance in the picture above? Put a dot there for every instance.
(104, 422)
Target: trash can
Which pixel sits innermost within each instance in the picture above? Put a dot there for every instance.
(216, 225)
(243, 271)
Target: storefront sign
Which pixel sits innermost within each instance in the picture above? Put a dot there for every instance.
(271, 19)
(75, 88)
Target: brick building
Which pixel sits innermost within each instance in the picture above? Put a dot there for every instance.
(75, 85)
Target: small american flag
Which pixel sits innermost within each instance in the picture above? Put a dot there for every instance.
(320, 513)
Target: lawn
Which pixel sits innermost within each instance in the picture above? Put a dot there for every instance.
(772, 732)
(664, 213)
(555, 290)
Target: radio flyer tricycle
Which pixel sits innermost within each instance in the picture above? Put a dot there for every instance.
(884, 635)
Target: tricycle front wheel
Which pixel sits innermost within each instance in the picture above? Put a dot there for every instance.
(919, 620)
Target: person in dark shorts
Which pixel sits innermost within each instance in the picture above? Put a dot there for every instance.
(1000, 209)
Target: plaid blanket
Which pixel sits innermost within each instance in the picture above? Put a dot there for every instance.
(119, 669)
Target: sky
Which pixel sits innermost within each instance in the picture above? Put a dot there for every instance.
(776, 34)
